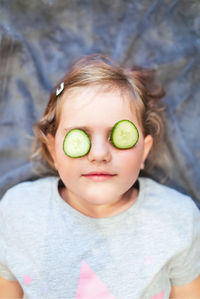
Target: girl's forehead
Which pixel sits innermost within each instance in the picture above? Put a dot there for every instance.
(96, 108)
(105, 98)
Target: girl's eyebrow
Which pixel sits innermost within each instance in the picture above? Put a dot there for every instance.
(84, 128)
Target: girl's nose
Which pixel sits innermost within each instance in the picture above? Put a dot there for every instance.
(100, 150)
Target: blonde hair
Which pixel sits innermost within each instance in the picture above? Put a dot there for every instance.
(99, 69)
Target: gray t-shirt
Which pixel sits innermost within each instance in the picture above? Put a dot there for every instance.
(54, 251)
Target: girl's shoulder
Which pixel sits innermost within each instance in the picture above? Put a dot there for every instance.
(172, 212)
(168, 200)
(155, 188)
(27, 193)
(31, 185)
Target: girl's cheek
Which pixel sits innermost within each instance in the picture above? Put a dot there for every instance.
(129, 153)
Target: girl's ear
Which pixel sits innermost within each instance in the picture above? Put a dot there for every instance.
(148, 142)
(51, 145)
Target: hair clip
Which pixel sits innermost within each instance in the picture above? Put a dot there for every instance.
(60, 89)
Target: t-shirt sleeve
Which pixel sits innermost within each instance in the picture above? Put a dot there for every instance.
(185, 266)
(4, 270)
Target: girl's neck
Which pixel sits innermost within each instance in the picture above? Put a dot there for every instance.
(101, 212)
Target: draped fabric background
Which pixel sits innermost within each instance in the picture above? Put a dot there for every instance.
(40, 39)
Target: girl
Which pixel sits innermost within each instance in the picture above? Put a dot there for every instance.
(97, 228)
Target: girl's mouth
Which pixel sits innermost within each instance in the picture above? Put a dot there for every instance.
(99, 177)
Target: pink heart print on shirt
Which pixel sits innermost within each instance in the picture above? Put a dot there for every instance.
(27, 279)
(149, 259)
(158, 296)
(90, 285)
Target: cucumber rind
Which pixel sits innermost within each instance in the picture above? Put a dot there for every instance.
(80, 150)
(116, 140)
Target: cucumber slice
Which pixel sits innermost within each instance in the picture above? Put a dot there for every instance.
(76, 143)
(124, 134)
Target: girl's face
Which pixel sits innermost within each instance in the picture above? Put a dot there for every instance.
(98, 110)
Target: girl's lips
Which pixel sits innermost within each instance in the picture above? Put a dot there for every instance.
(99, 173)
(99, 177)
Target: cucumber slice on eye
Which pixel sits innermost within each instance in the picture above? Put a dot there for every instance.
(124, 134)
(76, 143)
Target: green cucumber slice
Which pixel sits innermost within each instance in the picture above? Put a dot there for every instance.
(124, 134)
(76, 143)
